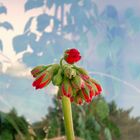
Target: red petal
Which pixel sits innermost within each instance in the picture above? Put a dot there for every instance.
(63, 90)
(80, 101)
(34, 72)
(92, 93)
(72, 56)
(98, 87)
(87, 99)
(38, 81)
(71, 99)
(84, 77)
(43, 84)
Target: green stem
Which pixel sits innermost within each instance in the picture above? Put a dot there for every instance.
(66, 107)
(61, 62)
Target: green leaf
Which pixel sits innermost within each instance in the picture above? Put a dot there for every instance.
(107, 134)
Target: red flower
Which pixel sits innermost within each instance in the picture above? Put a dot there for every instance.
(72, 55)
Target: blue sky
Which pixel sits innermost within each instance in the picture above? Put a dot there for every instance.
(110, 52)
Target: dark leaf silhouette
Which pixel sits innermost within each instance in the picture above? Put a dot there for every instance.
(56, 24)
(3, 9)
(50, 3)
(6, 25)
(30, 4)
(110, 12)
(43, 21)
(20, 42)
(28, 24)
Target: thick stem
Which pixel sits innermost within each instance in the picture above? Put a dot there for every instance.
(66, 106)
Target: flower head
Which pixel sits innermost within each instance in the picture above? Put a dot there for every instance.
(73, 82)
(72, 56)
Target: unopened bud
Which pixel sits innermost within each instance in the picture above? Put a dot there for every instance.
(69, 72)
(77, 82)
(66, 88)
(57, 79)
(39, 69)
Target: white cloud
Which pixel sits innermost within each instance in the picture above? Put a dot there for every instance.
(14, 66)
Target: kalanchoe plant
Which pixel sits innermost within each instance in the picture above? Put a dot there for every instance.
(75, 84)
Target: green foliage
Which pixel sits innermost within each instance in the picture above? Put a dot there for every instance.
(113, 124)
(102, 109)
(89, 120)
(6, 135)
(107, 134)
(128, 127)
(14, 125)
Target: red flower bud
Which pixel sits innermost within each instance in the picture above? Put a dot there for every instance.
(84, 77)
(72, 55)
(78, 99)
(99, 88)
(77, 82)
(66, 88)
(42, 80)
(91, 91)
(72, 99)
(85, 93)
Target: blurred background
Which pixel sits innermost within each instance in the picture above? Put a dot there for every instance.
(34, 32)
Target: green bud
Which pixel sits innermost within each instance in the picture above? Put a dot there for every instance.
(69, 72)
(66, 87)
(57, 79)
(59, 94)
(81, 70)
(77, 82)
(74, 92)
(54, 68)
(78, 99)
(38, 70)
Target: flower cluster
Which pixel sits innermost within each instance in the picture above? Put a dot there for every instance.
(73, 82)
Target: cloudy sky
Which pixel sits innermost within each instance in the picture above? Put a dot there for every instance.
(15, 78)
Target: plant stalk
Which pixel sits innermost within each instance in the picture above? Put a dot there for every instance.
(66, 107)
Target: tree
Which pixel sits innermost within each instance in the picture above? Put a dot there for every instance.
(129, 126)
(12, 124)
(89, 121)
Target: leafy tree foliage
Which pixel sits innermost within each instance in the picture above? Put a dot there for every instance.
(89, 120)
(129, 126)
(11, 125)
(113, 124)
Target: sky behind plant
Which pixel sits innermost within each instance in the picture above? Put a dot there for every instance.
(15, 79)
